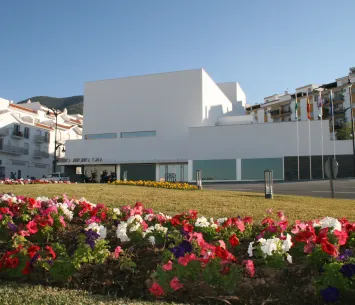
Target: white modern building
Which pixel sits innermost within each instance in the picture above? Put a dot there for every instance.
(177, 122)
(27, 134)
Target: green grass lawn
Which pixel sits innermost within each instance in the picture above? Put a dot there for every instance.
(207, 202)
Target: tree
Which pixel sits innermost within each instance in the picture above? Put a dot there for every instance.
(345, 133)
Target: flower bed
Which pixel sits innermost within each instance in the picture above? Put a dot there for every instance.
(165, 185)
(135, 252)
(29, 181)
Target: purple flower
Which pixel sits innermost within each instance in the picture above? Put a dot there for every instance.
(50, 262)
(345, 255)
(348, 270)
(178, 252)
(12, 227)
(186, 246)
(34, 258)
(91, 237)
(184, 233)
(330, 294)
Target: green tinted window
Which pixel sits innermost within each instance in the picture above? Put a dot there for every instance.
(253, 169)
(216, 169)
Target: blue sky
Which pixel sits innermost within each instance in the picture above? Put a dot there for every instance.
(53, 47)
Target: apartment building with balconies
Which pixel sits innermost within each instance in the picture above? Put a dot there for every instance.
(320, 98)
(27, 133)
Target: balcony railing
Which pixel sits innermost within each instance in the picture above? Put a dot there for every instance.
(286, 111)
(11, 149)
(40, 154)
(339, 97)
(17, 134)
(40, 139)
(275, 112)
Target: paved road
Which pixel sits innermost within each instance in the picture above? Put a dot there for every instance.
(344, 189)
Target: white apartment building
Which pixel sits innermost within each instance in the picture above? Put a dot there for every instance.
(27, 138)
(155, 125)
(281, 107)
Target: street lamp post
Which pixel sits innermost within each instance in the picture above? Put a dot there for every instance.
(56, 112)
(350, 85)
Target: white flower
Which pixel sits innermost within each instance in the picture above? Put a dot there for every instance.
(64, 207)
(250, 248)
(159, 227)
(152, 240)
(149, 217)
(287, 243)
(42, 199)
(121, 232)
(330, 222)
(222, 220)
(117, 211)
(289, 258)
(99, 229)
(202, 222)
(269, 245)
(135, 227)
(214, 226)
(102, 232)
(133, 218)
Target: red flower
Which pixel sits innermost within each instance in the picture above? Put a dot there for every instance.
(342, 237)
(186, 259)
(329, 248)
(168, 266)
(187, 227)
(175, 221)
(32, 227)
(305, 236)
(267, 221)
(156, 289)
(11, 262)
(61, 220)
(26, 270)
(32, 250)
(322, 235)
(248, 219)
(175, 284)
(224, 254)
(51, 251)
(233, 240)
(193, 214)
(33, 203)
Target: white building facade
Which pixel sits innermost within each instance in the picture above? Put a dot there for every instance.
(152, 126)
(27, 134)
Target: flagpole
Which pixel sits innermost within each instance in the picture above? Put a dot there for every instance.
(332, 107)
(320, 102)
(298, 140)
(309, 136)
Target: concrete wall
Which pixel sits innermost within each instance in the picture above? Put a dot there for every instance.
(214, 101)
(267, 140)
(236, 95)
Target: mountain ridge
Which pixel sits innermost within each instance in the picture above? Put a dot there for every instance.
(74, 104)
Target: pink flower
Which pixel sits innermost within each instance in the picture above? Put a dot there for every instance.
(156, 289)
(32, 227)
(144, 225)
(269, 211)
(186, 259)
(175, 284)
(281, 215)
(61, 220)
(342, 237)
(168, 266)
(117, 252)
(308, 248)
(222, 244)
(249, 266)
(240, 225)
(198, 237)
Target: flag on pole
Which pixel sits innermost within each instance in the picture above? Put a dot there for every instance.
(320, 105)
(296, 108)
(308, 108)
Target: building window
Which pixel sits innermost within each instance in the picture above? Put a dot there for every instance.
(26, 148)
(46, 137)
(139, 134)
(100, 136)
(216, 169)
(27, 132)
